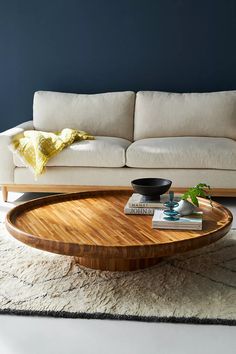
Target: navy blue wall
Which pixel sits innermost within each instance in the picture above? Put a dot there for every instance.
(104, 45)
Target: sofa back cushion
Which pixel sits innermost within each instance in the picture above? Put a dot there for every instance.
(105, 114)
(162, 114)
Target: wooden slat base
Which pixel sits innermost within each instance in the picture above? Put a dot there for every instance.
(50, 188)
(117, 264)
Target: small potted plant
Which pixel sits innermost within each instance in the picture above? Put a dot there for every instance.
(189, 200)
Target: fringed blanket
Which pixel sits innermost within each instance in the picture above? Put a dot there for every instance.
(35, 148)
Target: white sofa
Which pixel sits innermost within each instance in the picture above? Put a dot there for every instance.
(187, 138)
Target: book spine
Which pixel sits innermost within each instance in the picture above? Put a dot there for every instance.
(169, 227)
(140, 211)
(145, 205)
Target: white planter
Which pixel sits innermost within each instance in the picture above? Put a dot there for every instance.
(185, 208)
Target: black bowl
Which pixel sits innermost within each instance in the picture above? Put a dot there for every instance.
(151, 187)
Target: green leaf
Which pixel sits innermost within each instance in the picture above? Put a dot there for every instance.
(185, 196)
(194, 199)
(202, 193)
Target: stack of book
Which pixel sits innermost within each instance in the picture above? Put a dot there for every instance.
(139, 204)
(190, 222)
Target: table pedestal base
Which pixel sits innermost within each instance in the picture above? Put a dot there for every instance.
(117, 264)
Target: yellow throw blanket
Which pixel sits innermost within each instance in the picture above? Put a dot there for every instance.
(35, 148)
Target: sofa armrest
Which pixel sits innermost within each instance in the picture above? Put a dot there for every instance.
(6, 156)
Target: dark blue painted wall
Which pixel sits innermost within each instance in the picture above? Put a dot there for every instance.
(104, 45)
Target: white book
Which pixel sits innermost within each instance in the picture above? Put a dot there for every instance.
(141, 201)
(138, 211)
(190, 222)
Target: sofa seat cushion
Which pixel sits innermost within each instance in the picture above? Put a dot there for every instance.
(101, 152)
(183, 152)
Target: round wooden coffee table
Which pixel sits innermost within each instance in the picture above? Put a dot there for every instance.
(92, 227)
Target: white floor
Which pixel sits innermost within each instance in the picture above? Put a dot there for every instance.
(19, 335)
(34, 335)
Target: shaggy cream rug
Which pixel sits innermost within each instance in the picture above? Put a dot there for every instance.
(196, 287)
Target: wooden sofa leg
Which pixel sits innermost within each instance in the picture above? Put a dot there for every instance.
(4, 193)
